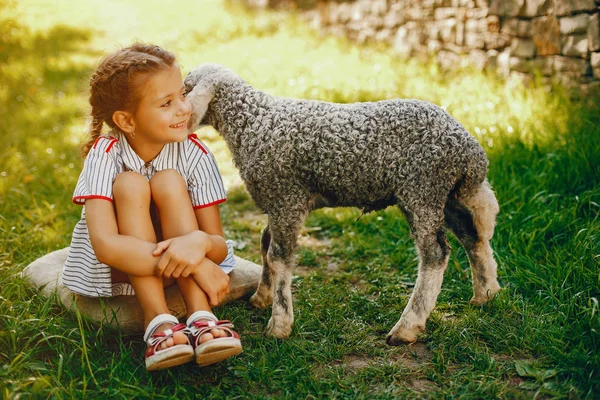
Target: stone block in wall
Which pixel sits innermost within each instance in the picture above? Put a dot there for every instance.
(566, 7)
(482, 3)
(546, 35)
(535, 8)
(418, 13)
(502, 62)
(516, 27)
(543, 65)
(571, 65)
(595, 64)
(476, 13)
(476, 26)
(379, 7)
(593, 33)
(522, 48)
(574, 24)
(493, 24)
(393, 19)
(496, 41)
(384, 35)
(401, 45)
(444, 13)
(447, 30)
(519, 64)
(474, 40)
(506, 8)
(492, 58)
(478, 59)
(575, 46)
(434, 46)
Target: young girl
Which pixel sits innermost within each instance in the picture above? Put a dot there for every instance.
(150, 191)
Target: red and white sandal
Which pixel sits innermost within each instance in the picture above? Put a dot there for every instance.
(178, 354)
(216, 349)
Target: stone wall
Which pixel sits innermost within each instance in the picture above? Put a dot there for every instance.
(559, 39)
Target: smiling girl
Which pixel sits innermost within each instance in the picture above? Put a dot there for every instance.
(150, 190)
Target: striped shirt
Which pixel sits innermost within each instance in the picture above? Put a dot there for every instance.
(110, 156)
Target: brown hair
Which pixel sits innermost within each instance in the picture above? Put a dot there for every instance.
(114, 86)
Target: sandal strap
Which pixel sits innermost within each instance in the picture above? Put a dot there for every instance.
(158, 321)
(198, 328)
(167, 333)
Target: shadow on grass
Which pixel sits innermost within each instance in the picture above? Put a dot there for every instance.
(42, 75)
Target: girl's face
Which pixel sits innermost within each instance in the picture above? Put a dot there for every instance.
(163, 111)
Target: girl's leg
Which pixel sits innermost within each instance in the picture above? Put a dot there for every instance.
(132, 201)
(177, 218)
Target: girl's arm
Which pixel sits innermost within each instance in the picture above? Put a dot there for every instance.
(209, 221)
(129, 254)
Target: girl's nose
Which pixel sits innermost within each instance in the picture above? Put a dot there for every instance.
(185, 107)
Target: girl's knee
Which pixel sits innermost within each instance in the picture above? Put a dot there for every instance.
(130, 184)
(167, 183)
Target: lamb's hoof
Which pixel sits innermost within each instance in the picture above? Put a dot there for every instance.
(279, 329)
(260, 301)
(484, 297)
(404, 335)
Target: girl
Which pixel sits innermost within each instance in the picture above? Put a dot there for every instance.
(150, 191)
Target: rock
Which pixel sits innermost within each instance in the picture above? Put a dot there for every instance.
(516, 27)
(570, 65)
(496, 41)
(522, 48)
(534, 8)
(595, 62)
(574, 24)
(506, 8)
(593, 32)
(566, 7)
(546, 35)
(125, 312)
(575, 46)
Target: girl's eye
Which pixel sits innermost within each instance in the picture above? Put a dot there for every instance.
(167, 104)
(183, 95)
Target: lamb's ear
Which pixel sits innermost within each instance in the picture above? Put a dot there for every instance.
(199, 98)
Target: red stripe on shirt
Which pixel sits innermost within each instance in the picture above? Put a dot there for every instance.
(111, 145)
(103, 137)
(194, 139)
(210, 204)
(77, 199)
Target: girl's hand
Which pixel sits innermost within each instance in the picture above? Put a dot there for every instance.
(213, 281)
(181, 255)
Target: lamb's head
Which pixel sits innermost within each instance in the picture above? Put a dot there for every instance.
(201, 85)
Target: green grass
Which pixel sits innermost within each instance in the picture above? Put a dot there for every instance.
(540, 337)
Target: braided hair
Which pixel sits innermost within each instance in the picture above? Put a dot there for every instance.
(114, 86)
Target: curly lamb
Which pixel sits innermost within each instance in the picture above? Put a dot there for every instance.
(295, 156)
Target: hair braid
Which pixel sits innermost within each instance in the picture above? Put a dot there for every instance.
(115, 83)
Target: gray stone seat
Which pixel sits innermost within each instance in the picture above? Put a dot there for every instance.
(45, 273)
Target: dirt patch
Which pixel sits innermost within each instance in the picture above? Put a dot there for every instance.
(422, 385)
(412, 356)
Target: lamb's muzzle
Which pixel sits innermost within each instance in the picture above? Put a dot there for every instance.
(298, 155)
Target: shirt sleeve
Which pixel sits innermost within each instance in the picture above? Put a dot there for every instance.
(98, 174)
(205, 185)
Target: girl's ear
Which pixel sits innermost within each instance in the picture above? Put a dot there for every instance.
(124, 120)
(199, 98)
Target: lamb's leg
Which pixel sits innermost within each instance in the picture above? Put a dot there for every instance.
(484, 208)
(284, 231)
(264, 293)
(434, 251)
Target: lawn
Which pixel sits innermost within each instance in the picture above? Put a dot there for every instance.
(540, 337)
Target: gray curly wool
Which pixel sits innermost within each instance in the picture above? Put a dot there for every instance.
(298, 155)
